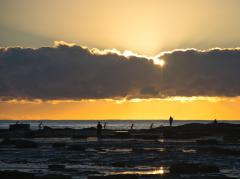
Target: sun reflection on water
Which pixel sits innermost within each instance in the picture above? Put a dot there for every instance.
(158, 171)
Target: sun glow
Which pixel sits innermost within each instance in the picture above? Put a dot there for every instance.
(160, 62)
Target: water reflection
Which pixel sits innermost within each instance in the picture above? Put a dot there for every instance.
(189, 151)
(157, 171)
(160, 149)
(161, 140)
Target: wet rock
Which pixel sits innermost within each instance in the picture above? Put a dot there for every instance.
(53, 176)
(138, 150)
(231, 138)
(197, 130)
(30, 134)
(56, 167)
(188, 168)
(79, 137)
(207, 142)
(219, 151)
(119, 164)
(121, 134)
(89, 173)
(114, 177)
(58, 145)
(136, 176)
(26, 144)
(19, 127)
(20, 143)
(76, 147)
(146, 136)
(47, 128)
(15, 175)
(218, 177)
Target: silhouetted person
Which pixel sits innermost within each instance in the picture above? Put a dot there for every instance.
(151, 126)
(215, 121)
(105, 125)
(40, 126)
(99, 129)
(171, 120)
(132, 126)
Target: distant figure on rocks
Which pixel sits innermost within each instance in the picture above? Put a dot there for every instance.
(99, 129)
(151, 126)
(105, 125)
(171, 120)
(40, 126)
(132, 126)
(215, 121)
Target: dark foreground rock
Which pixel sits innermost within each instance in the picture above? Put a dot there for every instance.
(152, 176)
(53, 176)
(197, 130)
(189, 168)
(219, 151)
(76, 147)
(56, 167)
(58, 145)
(207, 142)
(119, 164)
(114, 177)
(231, 138)
(24, 175)
(15, 175)
(19, 127)
(157, 177)
(20, 143)
(229, 132)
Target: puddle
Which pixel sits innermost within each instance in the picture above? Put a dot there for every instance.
(120, 150)
(155, 149)
(191, 151)
(234, 172)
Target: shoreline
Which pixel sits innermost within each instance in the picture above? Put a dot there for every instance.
(185, 131)
(188, 151)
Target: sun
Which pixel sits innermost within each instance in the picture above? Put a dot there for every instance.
(159, 62)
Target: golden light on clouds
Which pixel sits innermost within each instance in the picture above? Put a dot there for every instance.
(125, 53)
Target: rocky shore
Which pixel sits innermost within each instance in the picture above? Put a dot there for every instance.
(230, 132)
(187, 151)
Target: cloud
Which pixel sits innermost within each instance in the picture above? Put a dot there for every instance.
(212, 72)
(71, 72)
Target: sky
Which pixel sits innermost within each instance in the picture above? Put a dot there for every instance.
(112, 59)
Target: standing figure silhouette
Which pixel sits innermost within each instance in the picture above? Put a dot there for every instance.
(170, 120)
(132, 126)
(151, 126)
(99, 130)
(105, 125)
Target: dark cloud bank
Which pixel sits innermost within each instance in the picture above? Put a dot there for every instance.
(73, 72)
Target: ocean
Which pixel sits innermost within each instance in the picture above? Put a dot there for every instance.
(110, 124)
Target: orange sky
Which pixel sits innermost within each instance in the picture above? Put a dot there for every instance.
(109, 109)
